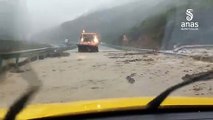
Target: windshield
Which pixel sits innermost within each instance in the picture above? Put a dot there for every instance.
(141, 47)
(88, 37)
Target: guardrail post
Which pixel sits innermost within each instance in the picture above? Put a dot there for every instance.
(37, 57)
(30, 58)
(1, 61)
(44, 55)
(17, 60)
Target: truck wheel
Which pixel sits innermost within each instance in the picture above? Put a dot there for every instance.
(79, 49)
(96, 49)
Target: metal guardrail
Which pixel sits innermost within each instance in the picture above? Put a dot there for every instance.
(127, 48)
(192, 46)
(32, 53)
(169, 52)
(166, 52)
(24, 53)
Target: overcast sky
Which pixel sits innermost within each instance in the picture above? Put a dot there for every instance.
(48, 13)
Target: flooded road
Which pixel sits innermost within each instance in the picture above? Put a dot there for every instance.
(109, 73)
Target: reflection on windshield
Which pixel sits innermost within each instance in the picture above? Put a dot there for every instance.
(145, 47)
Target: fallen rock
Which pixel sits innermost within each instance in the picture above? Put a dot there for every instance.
(94, 88)
(130, 78)
(197, 88)
(133, 54)
(148, 60)
(133, 60)
(16, 70)
(166, 72)
(205, 58)
(116, 57)
(188, 77)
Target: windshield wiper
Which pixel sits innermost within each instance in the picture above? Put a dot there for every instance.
(156, 102)
(21, 102)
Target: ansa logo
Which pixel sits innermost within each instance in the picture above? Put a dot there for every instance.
(190, 24)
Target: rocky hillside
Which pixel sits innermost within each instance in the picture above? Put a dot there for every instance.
(109, 23)
(163, 30)
(156, 25)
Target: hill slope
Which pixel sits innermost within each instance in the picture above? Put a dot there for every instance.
(163, 30)
(110, 23)
(156, 25)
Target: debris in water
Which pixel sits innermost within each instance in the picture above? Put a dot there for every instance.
(130, 78)
(134, 60)
(188, 77)
(204, 58)
(16, 70)
(148, 60)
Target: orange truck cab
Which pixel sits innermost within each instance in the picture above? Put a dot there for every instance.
(89, 42)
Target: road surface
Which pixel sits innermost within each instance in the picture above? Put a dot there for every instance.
(110, 73)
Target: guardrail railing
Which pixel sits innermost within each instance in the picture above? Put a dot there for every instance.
(127, 48)
(192, 46)
(33, 53)
(24, 53)
(170, 52)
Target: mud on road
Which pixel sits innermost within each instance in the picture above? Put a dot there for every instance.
(107, 74)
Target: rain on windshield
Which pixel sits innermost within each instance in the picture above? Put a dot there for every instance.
(141, 47)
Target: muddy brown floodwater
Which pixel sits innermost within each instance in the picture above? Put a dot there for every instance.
(107, 74)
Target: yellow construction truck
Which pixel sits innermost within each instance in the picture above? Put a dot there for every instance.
(89, 42)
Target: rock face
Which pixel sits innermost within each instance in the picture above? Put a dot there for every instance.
(201, 14)
(109, 23)
(155, 25)
(169, 27)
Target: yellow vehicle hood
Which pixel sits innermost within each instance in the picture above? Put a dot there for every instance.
(86, 107)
